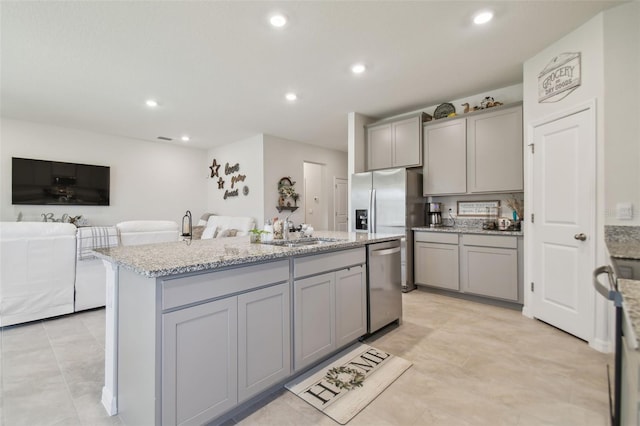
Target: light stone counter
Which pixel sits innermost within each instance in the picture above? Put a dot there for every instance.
(623, 243)
(163, 259)
(467, 230)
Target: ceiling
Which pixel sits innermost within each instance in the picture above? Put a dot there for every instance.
(220, 71)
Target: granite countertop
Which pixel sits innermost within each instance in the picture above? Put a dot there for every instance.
(163, 259)
(623, 243)
(467, 230)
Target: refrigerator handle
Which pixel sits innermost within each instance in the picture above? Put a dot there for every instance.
(372, 211)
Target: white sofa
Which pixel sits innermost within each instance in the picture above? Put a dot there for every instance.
(137, 232)
(218, 226)
(38, 269)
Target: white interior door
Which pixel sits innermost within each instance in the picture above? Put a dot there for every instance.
(563, 228)
(340, 204)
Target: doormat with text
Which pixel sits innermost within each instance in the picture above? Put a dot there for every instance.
(345, 386)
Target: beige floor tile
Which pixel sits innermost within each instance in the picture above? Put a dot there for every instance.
(473, 364)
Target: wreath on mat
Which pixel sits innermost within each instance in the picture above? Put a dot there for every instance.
(345, 378)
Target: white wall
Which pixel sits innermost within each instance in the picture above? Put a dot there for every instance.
(283, 157)
(248, 153)
(148, 180)
(622, 109)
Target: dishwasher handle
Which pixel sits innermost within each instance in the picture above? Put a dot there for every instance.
(612, 292)
(385, 252)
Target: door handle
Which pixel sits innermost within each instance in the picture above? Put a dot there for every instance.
(581, 236)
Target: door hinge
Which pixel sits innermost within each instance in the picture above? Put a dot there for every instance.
(532, 286)
(533, 148)
(532, 218)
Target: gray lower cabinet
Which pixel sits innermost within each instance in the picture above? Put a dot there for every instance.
(630, 385)
(478, 264)
(264, 339)
(200, 384)
(351, 305)
(330, 309)
(242, 348)
(490, 266)
(436, 260)
(314, 318)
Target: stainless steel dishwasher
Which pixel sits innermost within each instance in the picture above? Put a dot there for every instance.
(384, 284)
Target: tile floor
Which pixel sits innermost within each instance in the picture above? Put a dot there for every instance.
(473, 364)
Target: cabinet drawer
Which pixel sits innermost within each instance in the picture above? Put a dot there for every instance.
(435, 237)
(490, 241)
(321, 263)
(183, 291)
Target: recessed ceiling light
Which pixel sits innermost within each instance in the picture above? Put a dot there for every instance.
(291, 96)
(152, 103)
(483, 17)
(278, 21)
(185, 138)
(358, 68)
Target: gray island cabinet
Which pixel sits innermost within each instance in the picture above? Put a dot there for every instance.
(200, 339)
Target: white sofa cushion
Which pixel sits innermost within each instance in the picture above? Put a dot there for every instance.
(137, 232)
(242, 224)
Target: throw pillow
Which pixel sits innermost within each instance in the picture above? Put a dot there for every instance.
(197, 231)
(209, 232)
(227, 233)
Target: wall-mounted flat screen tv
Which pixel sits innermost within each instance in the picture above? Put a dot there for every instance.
(40, 182)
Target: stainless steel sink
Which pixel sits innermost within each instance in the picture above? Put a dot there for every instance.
(301, 242)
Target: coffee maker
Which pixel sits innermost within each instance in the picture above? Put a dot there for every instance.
(434, 214)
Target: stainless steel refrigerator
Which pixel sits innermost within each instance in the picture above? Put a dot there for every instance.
(390, 202)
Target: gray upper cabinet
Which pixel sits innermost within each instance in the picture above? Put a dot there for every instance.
(494, 151)
(379, 150)
(478, 153)
(395, 143)
(445, 160)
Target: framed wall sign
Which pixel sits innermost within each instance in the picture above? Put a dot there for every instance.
(478, 208)
(560, 77)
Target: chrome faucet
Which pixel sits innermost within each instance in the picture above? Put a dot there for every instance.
(285, 228)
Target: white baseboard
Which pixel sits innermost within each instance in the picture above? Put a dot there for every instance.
(600, 345)
(527, 312)
(109, 402)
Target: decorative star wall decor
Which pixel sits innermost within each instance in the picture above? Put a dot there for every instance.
(220, 183)
(214, 170)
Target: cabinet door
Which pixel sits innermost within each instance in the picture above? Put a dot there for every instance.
(351, 305)
(314, 319)
(199, 362)
(379, 147)
(264, 339)
(407, 142)
(495, 151)
(436, 265)
(490, 271)
(445, 158)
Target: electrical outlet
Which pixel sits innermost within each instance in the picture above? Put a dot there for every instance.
(624, 211)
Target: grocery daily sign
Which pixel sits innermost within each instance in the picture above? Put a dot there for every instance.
(560, 77)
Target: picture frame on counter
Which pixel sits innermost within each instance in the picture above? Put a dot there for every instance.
(478, 208)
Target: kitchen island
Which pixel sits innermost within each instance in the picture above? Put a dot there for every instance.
(203, 328)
